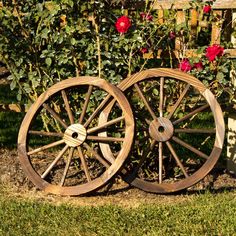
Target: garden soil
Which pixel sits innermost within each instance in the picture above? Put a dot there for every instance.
(14, 183)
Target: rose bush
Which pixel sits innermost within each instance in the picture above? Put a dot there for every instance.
(45, 42)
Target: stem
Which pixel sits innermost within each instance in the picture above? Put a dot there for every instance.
(45, 124)
(19, 19)
(98, 45)
(17, 79)
(146, 60)
(35, 95)
(76, 66)
(130, 59)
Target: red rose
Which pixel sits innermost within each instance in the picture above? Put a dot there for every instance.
(144, 50)
(185, 65)
(198, 66)
(214, 51)
(122, 24)
(207, 9)
(146, 16)
(172, 35)
(143, 15)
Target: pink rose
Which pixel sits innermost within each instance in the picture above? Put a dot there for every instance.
(185, 65)
(172, 35)
(214, 51)
(144, 50)
(207, 9)
(198, 66)
(123, 23)
(146, 16)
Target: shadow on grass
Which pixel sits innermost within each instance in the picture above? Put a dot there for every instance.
(208, 187)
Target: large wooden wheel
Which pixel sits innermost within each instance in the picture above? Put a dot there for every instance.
(179, 130)
(58, 141)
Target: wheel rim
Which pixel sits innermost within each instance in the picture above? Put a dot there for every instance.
(165, 131)
(58, 142)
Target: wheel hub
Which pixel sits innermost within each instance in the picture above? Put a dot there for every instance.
(161, 129)
(75, 135)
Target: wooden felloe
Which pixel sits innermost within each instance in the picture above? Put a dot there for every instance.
(58, 141)
(164, 144)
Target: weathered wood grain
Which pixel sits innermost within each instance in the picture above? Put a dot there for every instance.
(163, 131)
(73, 141)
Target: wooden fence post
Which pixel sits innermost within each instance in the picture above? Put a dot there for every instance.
(231, 137)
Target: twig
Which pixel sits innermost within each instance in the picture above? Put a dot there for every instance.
(98, 45)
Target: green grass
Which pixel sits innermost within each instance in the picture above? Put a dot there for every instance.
(204, 214)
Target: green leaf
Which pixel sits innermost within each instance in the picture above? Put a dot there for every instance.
(44, 33)
(13, 84)
(220, 76)
(224, 69)
(155, 91)
(73, 41)
(48, 61)
(19, 97)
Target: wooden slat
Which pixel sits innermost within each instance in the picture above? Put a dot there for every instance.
(216, 29)
(194, 23)
(160, 16)
(3, 70)
(12, 107)
(233, 39)
(180, 20)
(179, 4)
(190, 53)
(168, 4)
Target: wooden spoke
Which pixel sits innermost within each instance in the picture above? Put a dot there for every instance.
(191, 114)
(68, 110)
(160, 152)
(64, 148)
(102, 104)
(84, 164)
(54, 162)
(95, 129)
(105, 139)
(189, 147)
(161, 96)
(173, 109)
(96, 155)
(148, 121)
(43, 133)
(162, 180)
(196, 131)
(179, 163)
(141, 95)
(55, 115)
(84, 109)
(46, 147)
(67, 166)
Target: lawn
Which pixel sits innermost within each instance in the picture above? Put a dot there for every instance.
(195, 214)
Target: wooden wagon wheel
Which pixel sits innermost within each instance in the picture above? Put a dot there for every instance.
(179, 130)
(58, 143)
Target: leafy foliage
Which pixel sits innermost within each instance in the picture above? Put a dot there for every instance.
(43, 42)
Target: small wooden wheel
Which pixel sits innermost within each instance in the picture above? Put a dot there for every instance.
(179, 130)
(58, 143)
